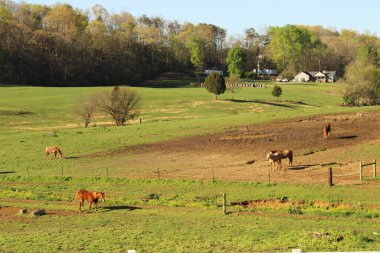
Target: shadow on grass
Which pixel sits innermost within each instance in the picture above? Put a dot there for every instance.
(72, 157)
(302, 167)
(260, 102)
(7, 172)
(112, 208)
(167, 83)
(347, 137)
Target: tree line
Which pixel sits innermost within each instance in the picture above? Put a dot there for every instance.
(61, 45)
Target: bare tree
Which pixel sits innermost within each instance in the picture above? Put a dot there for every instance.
(86, 108)
(121, 103)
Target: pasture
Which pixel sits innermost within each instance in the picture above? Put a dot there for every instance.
(164, 178)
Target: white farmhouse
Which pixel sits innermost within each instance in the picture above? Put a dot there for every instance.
(316, 76)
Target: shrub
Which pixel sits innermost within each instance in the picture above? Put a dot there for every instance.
(215, 84)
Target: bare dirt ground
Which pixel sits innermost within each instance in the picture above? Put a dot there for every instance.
(225, 155)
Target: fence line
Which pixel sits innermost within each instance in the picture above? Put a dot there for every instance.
(361, 166)
(360, 172)
(345, 175)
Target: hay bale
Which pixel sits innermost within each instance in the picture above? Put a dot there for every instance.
(22, 211)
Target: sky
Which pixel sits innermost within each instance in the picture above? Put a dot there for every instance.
(237, 15)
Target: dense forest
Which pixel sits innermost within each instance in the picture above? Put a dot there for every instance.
(60, 45)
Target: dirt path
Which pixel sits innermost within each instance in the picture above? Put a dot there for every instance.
(225, 155)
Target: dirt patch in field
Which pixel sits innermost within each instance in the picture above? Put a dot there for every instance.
(225, 155)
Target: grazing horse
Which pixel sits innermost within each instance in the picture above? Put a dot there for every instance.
(326, 131)
(91, 197)
(284, 154)
(275, 160)
(53, 151)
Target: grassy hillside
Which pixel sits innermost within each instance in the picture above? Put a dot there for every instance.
(167, 215)
(32, 118)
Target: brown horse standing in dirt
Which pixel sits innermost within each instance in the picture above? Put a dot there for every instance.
(90, 196)
(53, 151)
(283, 154)
(326, 130)
(275, 160)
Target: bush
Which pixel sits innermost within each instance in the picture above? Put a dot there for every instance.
(215, 84)
(349, 99)
(121, 103)
(250, 75)
(277, 91)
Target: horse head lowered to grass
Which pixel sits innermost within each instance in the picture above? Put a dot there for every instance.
(53, 151)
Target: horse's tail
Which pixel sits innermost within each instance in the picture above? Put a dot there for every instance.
(78, 194)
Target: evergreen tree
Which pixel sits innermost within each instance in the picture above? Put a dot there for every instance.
(276, 92)
(215, 84)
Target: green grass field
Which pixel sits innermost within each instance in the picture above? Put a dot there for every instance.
(167, 215)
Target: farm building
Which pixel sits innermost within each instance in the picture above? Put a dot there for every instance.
(271, 72)
(210, 71)
(316, 76)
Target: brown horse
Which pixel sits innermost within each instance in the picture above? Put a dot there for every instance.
(91, 197)
(275, 160)
(283, 154)
(53, 151)
(326, 131)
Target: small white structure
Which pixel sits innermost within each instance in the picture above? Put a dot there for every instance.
(303, 77)
(271, 72)
(316, 76)
(210, 71)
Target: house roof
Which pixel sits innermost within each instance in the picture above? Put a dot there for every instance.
(330, 73)
(306, 73)
(319, 73)
(312, 73)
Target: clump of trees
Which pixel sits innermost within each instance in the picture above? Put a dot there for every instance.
(61, 45)
(363, 78)
(215, 84)
(120, 103)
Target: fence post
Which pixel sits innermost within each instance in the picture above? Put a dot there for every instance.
(360, 171)
(224, 203)
(269, 175)
(213, 176)
(107, 171)
(330, 175)
(62, 171)
(374, 168)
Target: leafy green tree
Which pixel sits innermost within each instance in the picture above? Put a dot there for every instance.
(215, 84)
(290, 44)
(196, 53)
(235, 60)
(276, 92)
(5, 14)
(363, 83)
